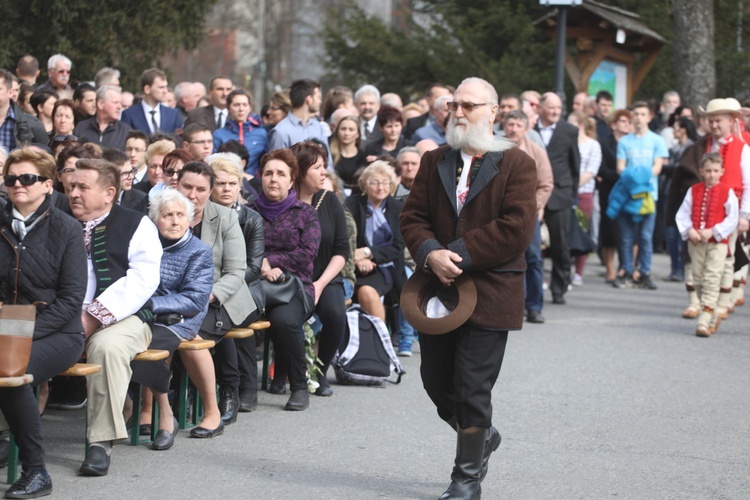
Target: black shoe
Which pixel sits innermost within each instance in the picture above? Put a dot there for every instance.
(624, 281)
(144, 429)
(466, 477)
(31, 484)
(229, 404)
(96, 462)
(490, 445)
(248, 401)
(165, 439)
(324, 389)
(4, 453)
(277, 387)
(646, 283)
(535, 317)
(298, 401)
(203, 433)
(558, 299)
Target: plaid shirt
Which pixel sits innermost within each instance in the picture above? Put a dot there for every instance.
(7, 137)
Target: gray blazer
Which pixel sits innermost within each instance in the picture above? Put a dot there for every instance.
(221, 231)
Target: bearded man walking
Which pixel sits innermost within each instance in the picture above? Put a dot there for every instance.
(472, 210)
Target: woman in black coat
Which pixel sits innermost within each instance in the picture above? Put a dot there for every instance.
(44, 261)
(379, 257)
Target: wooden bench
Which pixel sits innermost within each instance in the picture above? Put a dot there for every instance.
(16, 381)
(185, 387)
(81, 370)
(239, 333)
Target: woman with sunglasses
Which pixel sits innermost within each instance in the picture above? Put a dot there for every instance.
(49, 271)
(171, 166)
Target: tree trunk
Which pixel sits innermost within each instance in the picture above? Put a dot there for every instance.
(695, 68)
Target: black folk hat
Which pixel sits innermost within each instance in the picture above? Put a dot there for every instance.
(460, 299)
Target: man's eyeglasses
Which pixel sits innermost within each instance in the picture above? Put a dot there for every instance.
(171, 172)
(468, 107)
(24, 179)
(68, 171)
(129, 173)
(65, 71)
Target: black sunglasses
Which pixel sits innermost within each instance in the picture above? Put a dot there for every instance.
(25, 179)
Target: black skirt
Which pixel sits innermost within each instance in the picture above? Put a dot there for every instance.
(155, 374)
(376, 279)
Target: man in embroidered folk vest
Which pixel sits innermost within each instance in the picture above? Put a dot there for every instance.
(706, 218)
(722, 116)
(124, 256)
(472, 209)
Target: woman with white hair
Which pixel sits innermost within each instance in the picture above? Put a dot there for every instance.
(379, 257)
(226, 192)
(177, 309)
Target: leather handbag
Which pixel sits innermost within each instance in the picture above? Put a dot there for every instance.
(16, 334)
(283, 290)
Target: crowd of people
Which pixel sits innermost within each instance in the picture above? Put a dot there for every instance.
(143, 220)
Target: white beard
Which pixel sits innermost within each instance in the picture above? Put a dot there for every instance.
(474, 137)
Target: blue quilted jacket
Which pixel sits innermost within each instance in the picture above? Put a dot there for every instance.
(628, 193)
(187, 275)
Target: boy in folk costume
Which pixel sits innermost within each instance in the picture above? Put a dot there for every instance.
(707, 217)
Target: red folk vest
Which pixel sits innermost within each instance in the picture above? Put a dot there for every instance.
(731, 153)
(708, 206)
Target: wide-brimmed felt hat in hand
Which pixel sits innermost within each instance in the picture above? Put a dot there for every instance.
(729, 105)
(460, 299)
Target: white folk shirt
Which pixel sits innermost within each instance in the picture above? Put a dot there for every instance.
(462, 189)
(745, 167)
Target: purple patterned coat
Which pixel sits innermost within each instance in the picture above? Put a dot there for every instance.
(292, 241)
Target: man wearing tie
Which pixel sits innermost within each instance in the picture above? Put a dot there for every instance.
(367, 99)
(561, 140)
(214, 115)
(151, 115)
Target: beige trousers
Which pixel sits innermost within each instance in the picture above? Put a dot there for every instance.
(114, 348)
(708, 262)
(727, 276)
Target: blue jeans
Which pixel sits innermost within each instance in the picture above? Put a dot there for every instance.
(534, 272)
(405, 330)
(675, 247)
(640, 233)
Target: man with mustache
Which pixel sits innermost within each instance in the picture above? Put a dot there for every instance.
(471, 210)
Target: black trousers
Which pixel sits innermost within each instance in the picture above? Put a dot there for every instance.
(247, 362)
(288, 341)
(331, 310)
(49, 356)
(459, 370)
(558, 223)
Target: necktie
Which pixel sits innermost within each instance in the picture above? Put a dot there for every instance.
(367, 130)
(153, 120)
(219, 119)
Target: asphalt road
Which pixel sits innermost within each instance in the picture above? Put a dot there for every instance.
(614, 397)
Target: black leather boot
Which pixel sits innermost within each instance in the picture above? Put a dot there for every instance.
(229, 404)
(490, 445)
(466, 477)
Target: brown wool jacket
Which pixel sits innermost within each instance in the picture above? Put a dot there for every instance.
(491, 233)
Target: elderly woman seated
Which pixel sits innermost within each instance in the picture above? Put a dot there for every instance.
(379, 257)
(178, 307)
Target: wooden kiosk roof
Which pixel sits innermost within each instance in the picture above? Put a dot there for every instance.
(593, 26)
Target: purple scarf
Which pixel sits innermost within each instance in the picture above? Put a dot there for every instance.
(272, 209)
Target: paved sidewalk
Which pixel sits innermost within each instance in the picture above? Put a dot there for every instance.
(613, 397)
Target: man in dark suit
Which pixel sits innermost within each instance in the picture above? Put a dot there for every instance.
(561, 140)
(434, 90)
(151, 115)
(214, 115)
(367, 100)
(133, 199)
(471, 210)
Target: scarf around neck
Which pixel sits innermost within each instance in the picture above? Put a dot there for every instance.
(272, 209)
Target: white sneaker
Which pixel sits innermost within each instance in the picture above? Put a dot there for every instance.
(404, 354)
(577, 280)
